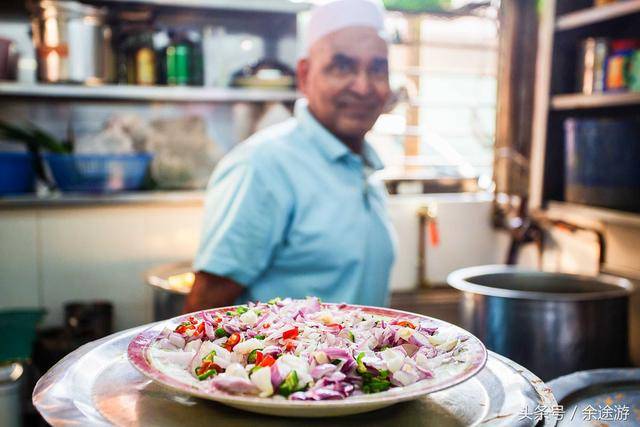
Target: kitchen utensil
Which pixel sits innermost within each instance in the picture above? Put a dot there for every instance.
(475, 354)
(98, 172)
(72, 41)
(96, 385)
(552, 323)
(600, 395)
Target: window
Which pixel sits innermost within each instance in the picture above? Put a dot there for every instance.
(445, 122)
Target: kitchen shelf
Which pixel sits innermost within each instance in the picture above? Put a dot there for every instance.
(581, 101)
(146, 93)
(595, 15)
(282, 6)
(68, 200)
(569, 211)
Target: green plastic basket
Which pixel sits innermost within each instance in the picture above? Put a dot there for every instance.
(17, 333)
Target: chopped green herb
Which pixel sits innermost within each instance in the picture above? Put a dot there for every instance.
(220, 332)
(260, 337)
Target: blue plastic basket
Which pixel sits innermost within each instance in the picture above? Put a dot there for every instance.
(98, 173)
(16, 173)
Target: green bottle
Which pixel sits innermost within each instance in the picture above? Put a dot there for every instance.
(178, 64)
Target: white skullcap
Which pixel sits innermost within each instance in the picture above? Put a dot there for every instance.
(338, 14)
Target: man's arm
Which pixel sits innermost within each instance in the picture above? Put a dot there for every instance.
(210, 290)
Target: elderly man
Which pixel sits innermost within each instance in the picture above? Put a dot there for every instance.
(294, 210)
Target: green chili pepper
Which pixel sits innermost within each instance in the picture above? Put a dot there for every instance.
(209, 373)
(251, 358)
(274, 300)
(351, 336)
(221, 333)
(361, 368)
(242, 309)
(371, 384)
(289, 384)
(209, 356)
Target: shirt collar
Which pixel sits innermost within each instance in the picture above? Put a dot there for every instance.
(330, 146)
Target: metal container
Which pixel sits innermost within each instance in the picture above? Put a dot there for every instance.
(10, 404)
(72, 41)
(551, 323)
(599, 397)
(171, 283)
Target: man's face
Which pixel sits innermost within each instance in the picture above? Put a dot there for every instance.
(346, 81)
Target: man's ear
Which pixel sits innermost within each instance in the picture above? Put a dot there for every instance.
(302, 74)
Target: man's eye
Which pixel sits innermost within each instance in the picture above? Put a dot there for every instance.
(343, 67)
(379, 70)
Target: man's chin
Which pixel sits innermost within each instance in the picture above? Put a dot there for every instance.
(354, 129)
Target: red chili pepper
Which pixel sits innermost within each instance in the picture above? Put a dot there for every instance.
(200, 328)
(206, 365)
(183, 328)
(265, 325)
(290, 334)
(406, 324)
(268, 360)
(289, 346)
(232, 341)
(259, 357)
(193, 320)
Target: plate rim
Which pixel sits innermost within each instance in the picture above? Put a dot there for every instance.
(137, 354)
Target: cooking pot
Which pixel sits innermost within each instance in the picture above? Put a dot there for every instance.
(552, 323)
(171, 283)
(72, 42)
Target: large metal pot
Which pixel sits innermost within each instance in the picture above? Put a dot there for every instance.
(171, 283)
(551, 323)
(72, 42)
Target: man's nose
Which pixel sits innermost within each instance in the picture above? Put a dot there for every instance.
(361, 84)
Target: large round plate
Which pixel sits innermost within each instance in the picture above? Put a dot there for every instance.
(138, 352)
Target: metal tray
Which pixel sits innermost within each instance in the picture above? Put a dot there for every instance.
(599, 397)
(95, 385)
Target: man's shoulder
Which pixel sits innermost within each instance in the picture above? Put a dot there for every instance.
(271, 146)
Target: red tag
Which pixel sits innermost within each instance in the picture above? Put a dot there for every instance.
(433, 233)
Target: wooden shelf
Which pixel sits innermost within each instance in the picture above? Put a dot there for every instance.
(594, 15)
(571, 211)
(281, 6)
(146, 93)
(580, 101)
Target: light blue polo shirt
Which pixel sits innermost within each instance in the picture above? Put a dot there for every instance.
(292, 212)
